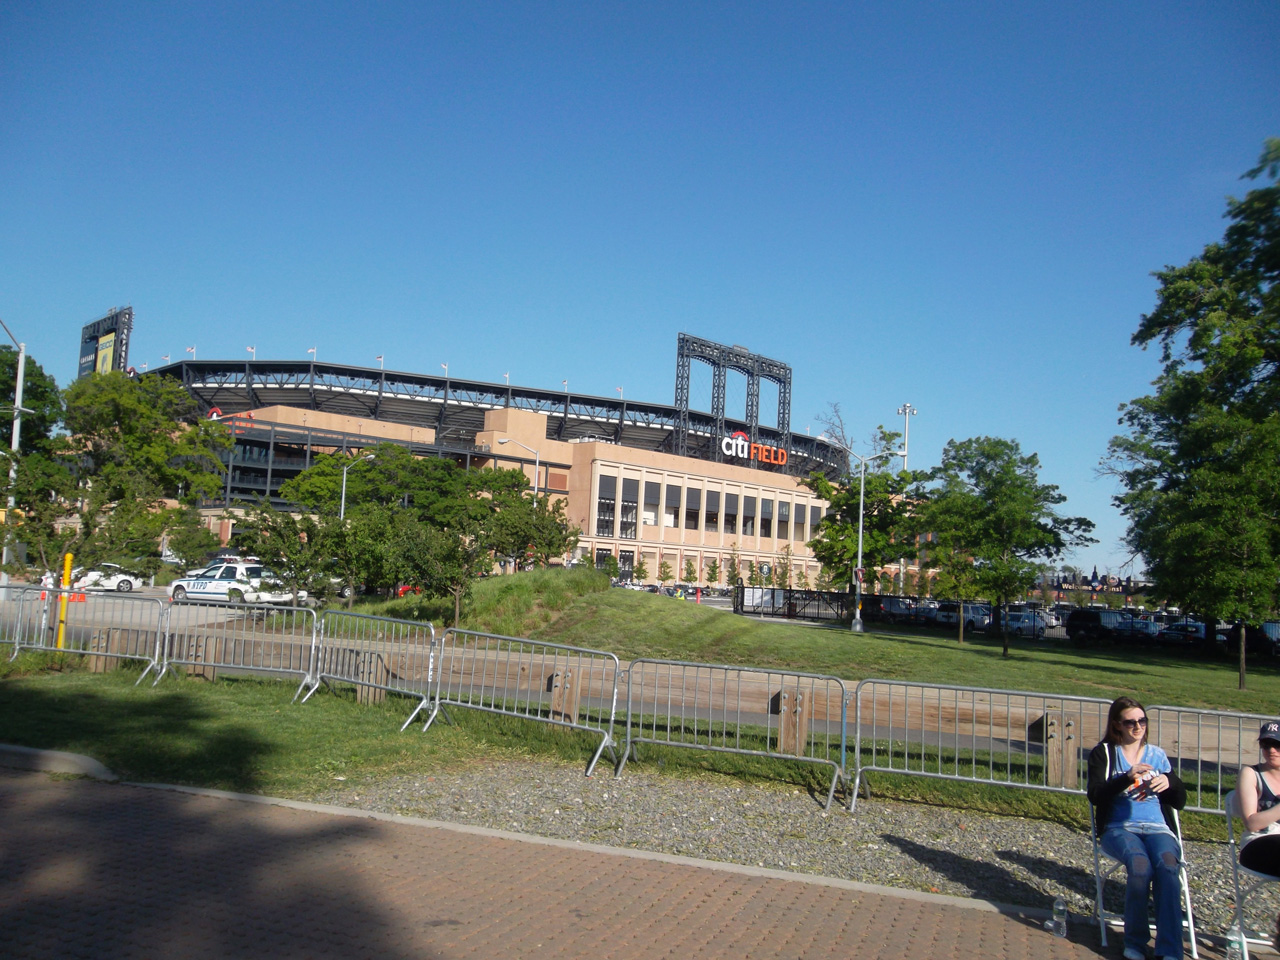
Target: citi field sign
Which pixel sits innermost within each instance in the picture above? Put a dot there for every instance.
(739, 445)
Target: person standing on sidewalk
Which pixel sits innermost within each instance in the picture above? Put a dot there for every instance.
(1135, 791)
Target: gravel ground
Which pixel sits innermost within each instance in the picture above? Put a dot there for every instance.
(1003, 859)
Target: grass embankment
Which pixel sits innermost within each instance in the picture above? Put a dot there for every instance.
(246, 735)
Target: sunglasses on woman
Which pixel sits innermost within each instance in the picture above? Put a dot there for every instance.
(1134, 724)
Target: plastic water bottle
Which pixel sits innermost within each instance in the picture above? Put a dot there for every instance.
(1235, 943)
(1059, 917)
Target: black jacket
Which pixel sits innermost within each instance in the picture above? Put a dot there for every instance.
(1106, 782)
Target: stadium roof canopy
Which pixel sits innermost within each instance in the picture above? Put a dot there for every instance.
(455, 409)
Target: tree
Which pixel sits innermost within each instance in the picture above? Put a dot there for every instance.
(886, 512)
(733, 568)
(713, 571)
(611, 567)
(641, 570)
(782, 569)
(1198, 458)
(690, 572)
(289, 546)
(187, 538)
(102, 492)
(987, 503)
(664, 572)
(41, 401)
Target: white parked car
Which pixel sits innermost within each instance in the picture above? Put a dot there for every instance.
(108, 576)
(1028, 623)
(233, 583)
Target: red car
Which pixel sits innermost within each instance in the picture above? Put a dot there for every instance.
(407, 589)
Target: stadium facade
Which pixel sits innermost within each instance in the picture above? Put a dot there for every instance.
(641, 480)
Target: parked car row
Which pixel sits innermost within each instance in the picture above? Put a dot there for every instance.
(234, 582)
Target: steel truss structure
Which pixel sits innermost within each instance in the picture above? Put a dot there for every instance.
(722, 359)
(456, 408)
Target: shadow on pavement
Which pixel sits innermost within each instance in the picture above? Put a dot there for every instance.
(107, 870)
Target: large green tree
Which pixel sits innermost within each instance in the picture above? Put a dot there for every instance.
(1199, 457)
(985, 501)
(105, 489)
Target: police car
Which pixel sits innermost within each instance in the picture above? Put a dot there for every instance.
(232, 583)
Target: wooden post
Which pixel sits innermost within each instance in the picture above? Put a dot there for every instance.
(794, 711)
(102, 642)
(565, 696)
(372, 668)
(1057, 734)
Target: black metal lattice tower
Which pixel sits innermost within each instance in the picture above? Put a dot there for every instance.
(722, 359)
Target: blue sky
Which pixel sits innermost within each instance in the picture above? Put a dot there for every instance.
(953, 205)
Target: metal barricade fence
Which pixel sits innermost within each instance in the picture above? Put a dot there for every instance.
(745, 710)
(206, 637)
(104, 626)
(377, 654)
(10, 612)
(1207, 748)
(548, 682)
(1003, 737)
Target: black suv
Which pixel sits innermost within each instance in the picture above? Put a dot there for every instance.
(1087, 626)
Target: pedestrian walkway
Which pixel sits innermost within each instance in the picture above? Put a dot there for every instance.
(101, 870)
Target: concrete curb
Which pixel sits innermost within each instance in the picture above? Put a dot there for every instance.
(53, 761)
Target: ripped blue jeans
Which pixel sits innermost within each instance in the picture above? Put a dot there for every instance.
(1149, 857)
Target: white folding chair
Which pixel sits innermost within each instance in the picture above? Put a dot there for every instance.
(1100, 877)
(1233, 851)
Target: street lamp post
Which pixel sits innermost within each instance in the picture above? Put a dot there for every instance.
(856, 624)
(536, 465)
(906, 412)
(342, 508)
(14, 443)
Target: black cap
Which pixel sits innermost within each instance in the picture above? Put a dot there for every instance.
(1270, 731)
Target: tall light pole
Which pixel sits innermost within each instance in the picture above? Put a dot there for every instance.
(19, 376)
(342, 508)
(856, 625)
(536, 464)
(906, 412)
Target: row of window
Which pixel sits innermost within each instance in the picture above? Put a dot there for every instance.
(706, 510)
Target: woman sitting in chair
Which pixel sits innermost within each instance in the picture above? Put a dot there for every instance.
(1135, 791)
(1258, 791)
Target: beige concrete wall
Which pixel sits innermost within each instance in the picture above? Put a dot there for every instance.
(360, 426)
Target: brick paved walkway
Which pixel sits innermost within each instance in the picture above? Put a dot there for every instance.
(98, 870)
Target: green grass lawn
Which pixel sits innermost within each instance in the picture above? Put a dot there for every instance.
(245, 734)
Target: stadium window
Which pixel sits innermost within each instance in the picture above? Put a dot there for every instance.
(692, 507)
(730, 513)
(711, 520)
(671, 512)
(602, 556)
(627, 518)
(626, 563)
(605, 505)
(766, 518)
(748, 516)
(652, 500)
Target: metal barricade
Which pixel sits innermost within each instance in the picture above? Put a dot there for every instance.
(206, 637)
(768, 713)
(1036, 741)
(1207, 748)
(11, 597)
(378, 655)
(548, 682)
(103, 626)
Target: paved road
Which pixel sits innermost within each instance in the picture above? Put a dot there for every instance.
(92, 869)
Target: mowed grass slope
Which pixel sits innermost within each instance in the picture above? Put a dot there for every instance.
(634, 624)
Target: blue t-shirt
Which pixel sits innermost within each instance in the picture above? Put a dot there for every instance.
(1127, 807)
